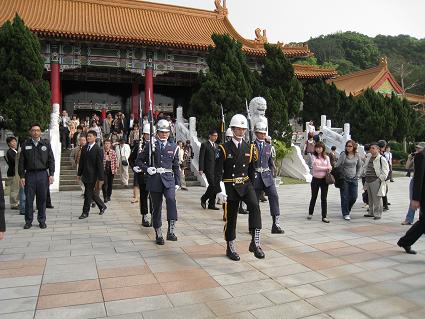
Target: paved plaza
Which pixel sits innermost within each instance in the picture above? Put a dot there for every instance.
(109, 266)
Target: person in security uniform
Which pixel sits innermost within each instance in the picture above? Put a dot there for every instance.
(235, 170)
(142, 177)
(263, 180)
(36, 170)
(163, 179)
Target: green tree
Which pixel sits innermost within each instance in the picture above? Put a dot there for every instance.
(228, 82)
(282, 91)
(24, 95)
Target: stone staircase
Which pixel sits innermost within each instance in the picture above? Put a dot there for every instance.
(68, 175)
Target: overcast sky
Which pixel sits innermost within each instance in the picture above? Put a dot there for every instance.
(297, 21)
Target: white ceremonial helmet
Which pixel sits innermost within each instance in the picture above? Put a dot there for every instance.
(163, 126)
(229, 132)
(239, 120)
(147, 129)
(260, 127)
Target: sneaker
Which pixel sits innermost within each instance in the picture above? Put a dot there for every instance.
(347, 217)
(309, 217)
(325, 220)
(405, 222)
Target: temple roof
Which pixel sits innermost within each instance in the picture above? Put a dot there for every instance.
(134, 22)
(356, 83)
(378, 78)
(313, 72)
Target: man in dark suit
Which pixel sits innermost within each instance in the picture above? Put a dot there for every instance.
(418, 201)
(207, 158)
(2, 206)
(90, 170)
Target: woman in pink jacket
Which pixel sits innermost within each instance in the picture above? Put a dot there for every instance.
(321, 165)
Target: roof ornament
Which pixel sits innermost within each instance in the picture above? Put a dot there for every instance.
(221, 8)
(383, 61)
(260, 38)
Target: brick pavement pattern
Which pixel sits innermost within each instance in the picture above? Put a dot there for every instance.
(109, 266)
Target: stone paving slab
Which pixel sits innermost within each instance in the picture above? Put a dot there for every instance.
(109, 266)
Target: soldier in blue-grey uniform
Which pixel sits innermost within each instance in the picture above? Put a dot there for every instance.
(235, 170)
(36, 170)
(263, 180)
(163, 179)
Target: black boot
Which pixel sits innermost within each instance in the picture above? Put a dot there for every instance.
(276, 229)
(145, 221)
(254, 246)
(159, 239)
(170, 232)
(231, 251)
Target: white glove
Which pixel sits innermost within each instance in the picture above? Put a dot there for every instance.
(177, 187)
(137, 169)
(222, 197)
(151, 170)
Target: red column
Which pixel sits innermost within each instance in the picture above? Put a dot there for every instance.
(55, 83)
(135, 100)
(148, 88)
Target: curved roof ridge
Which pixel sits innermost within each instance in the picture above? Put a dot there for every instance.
(377, 69)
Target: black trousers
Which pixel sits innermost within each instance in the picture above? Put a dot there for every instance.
(64, 136)
(144, 200)
(107, 185)
(317, 183)
(89, 196)
(36, 185)
(414, 232)
(211, 192)
(231, 213)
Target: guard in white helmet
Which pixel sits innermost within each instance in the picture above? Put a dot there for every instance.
(142, 177)
(163, 179)
(263, 180)
(235, 167)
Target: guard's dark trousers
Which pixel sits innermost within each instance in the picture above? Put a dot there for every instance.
(36, 185)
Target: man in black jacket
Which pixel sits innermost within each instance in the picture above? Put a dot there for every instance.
(36, 170)
(418, 201)
(2, 221)
(207, 158)
(90, 170)
(11, 173)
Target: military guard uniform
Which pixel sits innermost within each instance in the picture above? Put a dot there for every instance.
(163, 180)
(263, 180)
(235, 167)
(36, 164)
(142, 178)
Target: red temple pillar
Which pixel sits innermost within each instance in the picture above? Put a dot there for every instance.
(55, 82)
(135, 93)
(148, 87)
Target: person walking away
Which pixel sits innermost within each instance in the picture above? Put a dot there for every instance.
(207, 158)
(410, 216)
(333, 156)
(163, 180)
(36, 170)
(12, 175)
(182, 164)
(123, 151)
(142, 178)
(91, 171)
(351, 167)
(382, 146)
(376, 172)
(263, 181)
(418, 201)
(110, 164)
(321, 166)
(309, 148)
(389, 156)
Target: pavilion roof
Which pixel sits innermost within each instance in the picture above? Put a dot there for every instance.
(415, 98)
(356, 83)
(312, 72)
(134, 22)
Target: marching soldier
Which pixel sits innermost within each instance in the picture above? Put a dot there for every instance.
(235, 167)
(163, 179)
(142, 177)
(263, 180)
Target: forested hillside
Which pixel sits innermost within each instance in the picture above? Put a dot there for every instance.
(351, 51)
